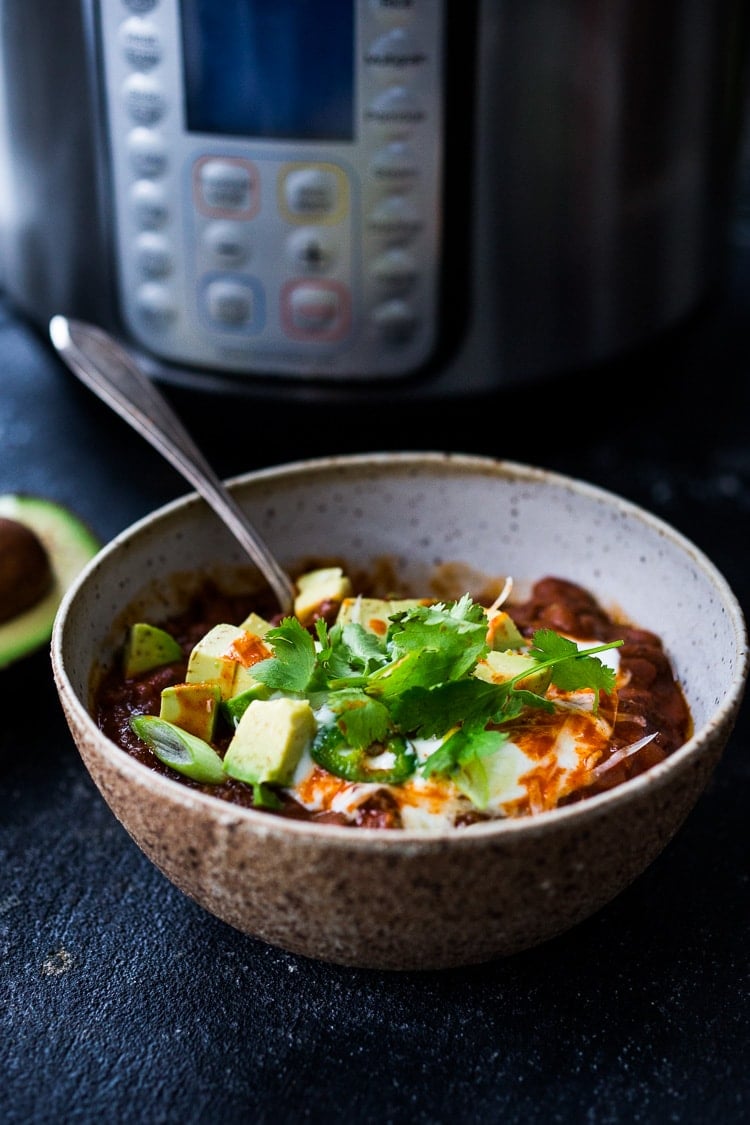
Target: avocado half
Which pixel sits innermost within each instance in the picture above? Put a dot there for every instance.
(69, 545)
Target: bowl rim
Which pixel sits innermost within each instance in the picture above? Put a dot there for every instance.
(268, 824)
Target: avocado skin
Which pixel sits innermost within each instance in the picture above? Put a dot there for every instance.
(69, 544)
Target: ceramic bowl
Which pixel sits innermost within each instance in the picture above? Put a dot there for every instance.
(400, 899)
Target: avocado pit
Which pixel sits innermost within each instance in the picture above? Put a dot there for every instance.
(25, 570)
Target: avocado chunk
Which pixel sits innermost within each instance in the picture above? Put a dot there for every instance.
(192, 707)
(234, 708)
(148, 647)
(328, 584)
(256, 624)
(269, 741)
(503, 633)
(497, 667)
(225, 654)
(67, 544)
(373, 613)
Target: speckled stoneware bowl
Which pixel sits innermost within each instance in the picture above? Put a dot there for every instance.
(398, 899)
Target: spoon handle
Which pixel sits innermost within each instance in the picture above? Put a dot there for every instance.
(112, 374)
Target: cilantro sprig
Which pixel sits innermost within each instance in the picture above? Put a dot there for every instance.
(418, 681)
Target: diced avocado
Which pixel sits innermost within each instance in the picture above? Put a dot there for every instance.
(248, 650)
(329, 584)
(226, 654)
(69, 545)
(373, 613)
(147, 647)
(497, 667)
(254, 623)
(184, 752)
(269, 741)
(502, 632)
(235, 707)
(213, 658)
(192, 707)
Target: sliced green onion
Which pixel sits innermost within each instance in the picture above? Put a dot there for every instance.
(183, 752)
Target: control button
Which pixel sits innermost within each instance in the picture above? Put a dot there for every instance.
(141, 43)
(395, 216)
(230, 303)
(227, 243)
(393, 11)
(315, 310)
(149, 203)
(226, 187)
(148, 153)
(310, 191)
(318, 192)
(395, 52)
(140, 5)
(310, 250)
(395, 270)
(396, 163)
(144, 99)
(396, 108)
(153, 255)
(395, 321)
(155, 304)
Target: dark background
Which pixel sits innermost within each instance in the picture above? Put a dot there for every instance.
(122, 1001)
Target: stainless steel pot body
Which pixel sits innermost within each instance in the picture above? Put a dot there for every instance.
(590, 153)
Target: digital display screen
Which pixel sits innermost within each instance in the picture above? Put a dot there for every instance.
(270, 68)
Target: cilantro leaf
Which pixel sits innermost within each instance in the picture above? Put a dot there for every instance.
(432, 711)
(364, 648)
(573, 668)
(361, 719)
(420, 667)
(458, 631)
(467, 744)
(293, 663)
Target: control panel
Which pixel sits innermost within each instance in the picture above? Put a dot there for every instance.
(277, 181)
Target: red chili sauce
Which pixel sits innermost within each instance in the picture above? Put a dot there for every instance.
(650, 702)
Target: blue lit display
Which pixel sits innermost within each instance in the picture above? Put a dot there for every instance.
(270, 68)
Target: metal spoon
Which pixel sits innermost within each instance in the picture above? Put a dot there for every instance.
(112, 373)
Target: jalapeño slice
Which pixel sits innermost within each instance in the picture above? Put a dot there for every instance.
(329, 750)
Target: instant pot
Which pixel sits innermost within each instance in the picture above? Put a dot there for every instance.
(330, 196)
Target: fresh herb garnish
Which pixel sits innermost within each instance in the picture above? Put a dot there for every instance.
(419, 681)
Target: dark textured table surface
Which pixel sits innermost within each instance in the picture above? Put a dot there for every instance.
(122, 1001)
